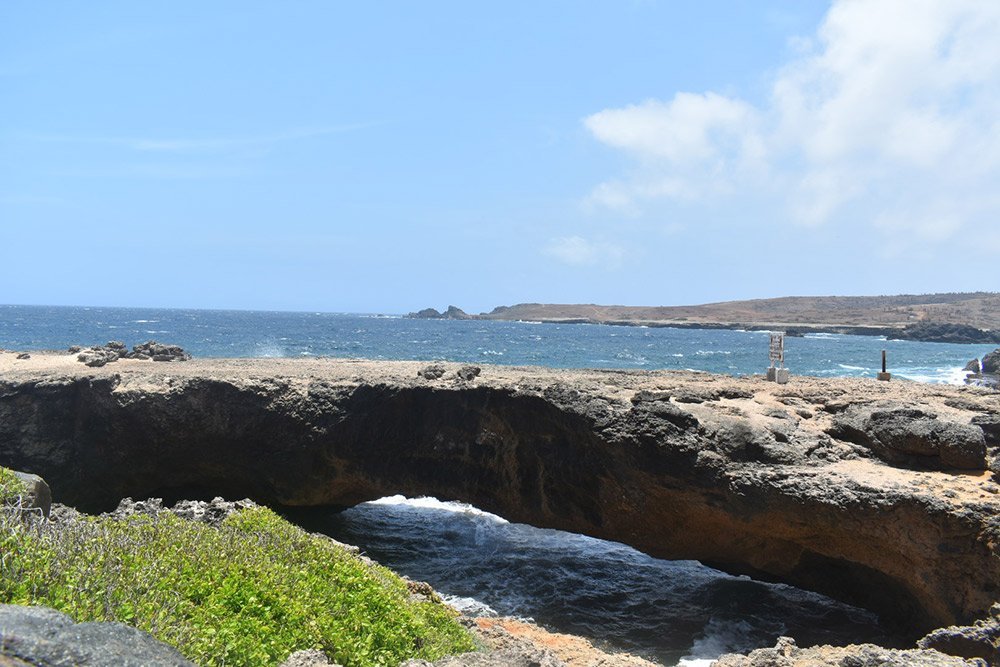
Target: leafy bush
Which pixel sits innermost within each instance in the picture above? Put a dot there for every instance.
(249, 592)
(11, 486)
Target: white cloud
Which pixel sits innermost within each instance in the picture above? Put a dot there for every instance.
(578, 251)
(892, 109)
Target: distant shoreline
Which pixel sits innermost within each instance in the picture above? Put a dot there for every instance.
(965, 318)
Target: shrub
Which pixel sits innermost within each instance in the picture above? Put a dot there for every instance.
(249, 592)
(11, 487)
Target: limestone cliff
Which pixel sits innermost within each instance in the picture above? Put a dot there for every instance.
(739, 473)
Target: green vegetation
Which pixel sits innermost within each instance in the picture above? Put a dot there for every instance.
(249, 592)
(11, 486)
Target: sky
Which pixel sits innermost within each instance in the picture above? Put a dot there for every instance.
(389, 156)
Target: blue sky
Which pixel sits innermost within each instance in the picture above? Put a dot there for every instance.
(386, 156)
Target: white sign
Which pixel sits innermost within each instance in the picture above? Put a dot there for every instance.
(777, 349)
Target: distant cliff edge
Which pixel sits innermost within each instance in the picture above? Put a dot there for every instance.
(970, 317)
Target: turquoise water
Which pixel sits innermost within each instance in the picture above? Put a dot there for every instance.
(208, 333)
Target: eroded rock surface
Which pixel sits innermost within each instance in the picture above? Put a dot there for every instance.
(43, 636)
(750, 477)
(787, 654)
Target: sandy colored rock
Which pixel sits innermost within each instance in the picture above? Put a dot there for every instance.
(736, 472)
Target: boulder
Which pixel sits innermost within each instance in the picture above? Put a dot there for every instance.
(910, 436)
(158, 352)
(990, 423)
(432, 372)
(308, 658)
(38, 495)
(973, 367)
(981, 640)
(43, 636)
(99, 355)
(991, 362)
(468, 373)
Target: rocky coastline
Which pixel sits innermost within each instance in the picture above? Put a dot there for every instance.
(933, 318)
(881, 494)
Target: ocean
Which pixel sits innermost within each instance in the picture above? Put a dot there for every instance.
(674, 612)
(218, 333)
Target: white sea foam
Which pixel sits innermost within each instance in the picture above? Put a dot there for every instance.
(145, 321)
(269, 350)
(852, 368)
(468, 606)
(955, 375)
(427, 502)
(718, 637)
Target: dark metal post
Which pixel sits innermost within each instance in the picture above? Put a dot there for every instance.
(885, 375)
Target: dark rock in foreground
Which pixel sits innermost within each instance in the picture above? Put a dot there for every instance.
(43, 636)
(981, 640)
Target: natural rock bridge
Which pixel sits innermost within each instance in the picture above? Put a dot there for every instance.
(782, 482)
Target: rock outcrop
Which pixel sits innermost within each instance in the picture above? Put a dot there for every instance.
(981, 640)
(37, 495)
(114, 350)
(787, 654)
(750, 477)
(991, 362)
(913, 437)
(451, 313)
(43, 636)
(944, 332)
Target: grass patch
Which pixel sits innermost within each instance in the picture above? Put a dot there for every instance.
(11, 487)
(249, 592)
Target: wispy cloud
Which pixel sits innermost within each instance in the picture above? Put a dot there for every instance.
(888, 113)
(578, 251)
(186, 145)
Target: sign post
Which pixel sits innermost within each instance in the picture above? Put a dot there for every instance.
(776, 353)
(885, 375)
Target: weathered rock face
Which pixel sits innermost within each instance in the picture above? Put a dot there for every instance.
(991, 362)
(748, 479)
(43, 636)
(914, 437)
(787, 654)
(981, 640)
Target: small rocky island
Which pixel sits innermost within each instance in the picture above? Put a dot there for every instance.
(880, 494)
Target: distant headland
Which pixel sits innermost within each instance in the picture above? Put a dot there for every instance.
(962, 317)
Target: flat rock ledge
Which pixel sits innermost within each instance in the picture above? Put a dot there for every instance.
(881, 494)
